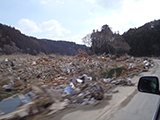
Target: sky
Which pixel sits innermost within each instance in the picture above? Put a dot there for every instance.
(71, 20)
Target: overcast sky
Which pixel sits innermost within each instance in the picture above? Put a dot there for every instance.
(71, 20)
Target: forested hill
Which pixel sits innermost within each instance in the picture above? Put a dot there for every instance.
(13, 41)
(145, 40)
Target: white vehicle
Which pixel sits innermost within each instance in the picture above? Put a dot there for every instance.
(150, 84)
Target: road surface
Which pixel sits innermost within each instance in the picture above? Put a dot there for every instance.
(141, 107)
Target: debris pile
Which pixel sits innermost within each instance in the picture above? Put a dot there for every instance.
(55, 81)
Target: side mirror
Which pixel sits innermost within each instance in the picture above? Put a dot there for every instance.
(149, 84)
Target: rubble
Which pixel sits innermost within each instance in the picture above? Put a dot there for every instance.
(54, 80)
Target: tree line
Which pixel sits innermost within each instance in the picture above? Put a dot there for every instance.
(12, 41)
(105, 41)
(142, 41)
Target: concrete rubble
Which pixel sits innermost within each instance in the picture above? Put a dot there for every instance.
(53, 82)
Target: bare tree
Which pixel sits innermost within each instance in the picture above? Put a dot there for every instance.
(87, 40)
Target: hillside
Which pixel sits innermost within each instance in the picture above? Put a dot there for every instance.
(12, 41)
(145, 40)
(142, 41)
(105, 41)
